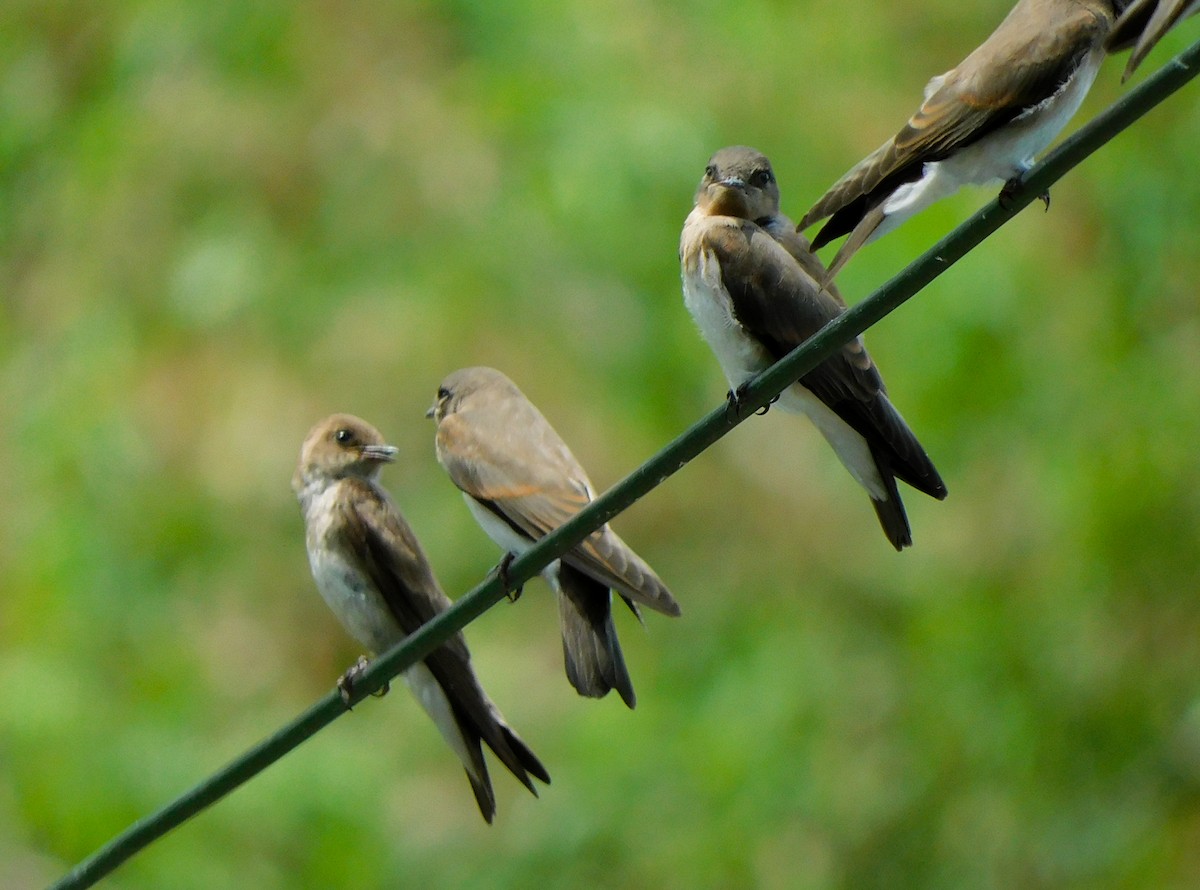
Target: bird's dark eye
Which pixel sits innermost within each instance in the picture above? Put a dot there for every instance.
(761, 178)
(344, 436)
(711, 171)
(443, 393)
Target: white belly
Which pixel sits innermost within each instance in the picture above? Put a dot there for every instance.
(741, 357)
(349, 594)
(363, 612)
(505, 537)
(704, 294)
(1010, 151)
(998, 157)
(433, 700)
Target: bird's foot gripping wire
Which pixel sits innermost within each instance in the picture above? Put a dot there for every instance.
(1009, 191)
(345, 683)
(513, 593)
(735, 403)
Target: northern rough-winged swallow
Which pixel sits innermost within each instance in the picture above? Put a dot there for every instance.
(521, 482)
(981, 121)
(372, 572)
(1144, 23)
(755, 293)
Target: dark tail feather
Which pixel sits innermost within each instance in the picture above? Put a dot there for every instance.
(916, 469)
(859, 236)
(591, 651)
(506, 745)
(905, 457)
(891, 511)
(514, 753)
(894, 522)
(525, 759)
(633, 607)
(841, 222)
(484, 796)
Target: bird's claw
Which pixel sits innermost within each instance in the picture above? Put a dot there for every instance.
(345, 683)
(735, 399)
(1009, 190)
(513, 593)
(732, 406)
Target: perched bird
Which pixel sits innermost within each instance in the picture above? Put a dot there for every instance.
(980, 122)
(521, 482)
(372, 572)
(1144, 23)
(755, 293)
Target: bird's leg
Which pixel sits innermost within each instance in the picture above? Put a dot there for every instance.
(735, 399)
(513, 593)
(345, 683)
(1010, 189)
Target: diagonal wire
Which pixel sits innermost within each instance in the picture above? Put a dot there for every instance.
(696, 439)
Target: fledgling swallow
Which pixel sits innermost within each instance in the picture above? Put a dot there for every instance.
(980, 122)
(1143, 24)
(373, 574)
(756, 294)
(521, 482)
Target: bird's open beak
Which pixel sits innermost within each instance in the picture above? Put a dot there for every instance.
(382, 453)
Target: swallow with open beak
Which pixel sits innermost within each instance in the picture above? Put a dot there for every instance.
(373, 574)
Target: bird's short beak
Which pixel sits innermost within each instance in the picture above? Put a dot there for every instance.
(432, 410)
(383, 453)
(733, 182)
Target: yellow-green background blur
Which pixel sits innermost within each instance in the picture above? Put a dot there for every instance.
(221, 221)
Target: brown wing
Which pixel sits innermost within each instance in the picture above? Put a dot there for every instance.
(506, 453)
(395, 562)
(779, 304)
(609, 560)
(524, 472)
(793, 241)
(397, 565)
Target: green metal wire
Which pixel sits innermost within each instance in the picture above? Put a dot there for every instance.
(758, 393)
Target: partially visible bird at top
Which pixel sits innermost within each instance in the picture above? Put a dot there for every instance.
(1143, 24)
(982, 121)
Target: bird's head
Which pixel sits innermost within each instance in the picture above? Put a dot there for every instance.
(739, 182)
(338, 447)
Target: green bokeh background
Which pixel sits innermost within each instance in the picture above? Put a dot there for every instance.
(221, 221)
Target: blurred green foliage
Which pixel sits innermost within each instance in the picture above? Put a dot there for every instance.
(221, 221)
